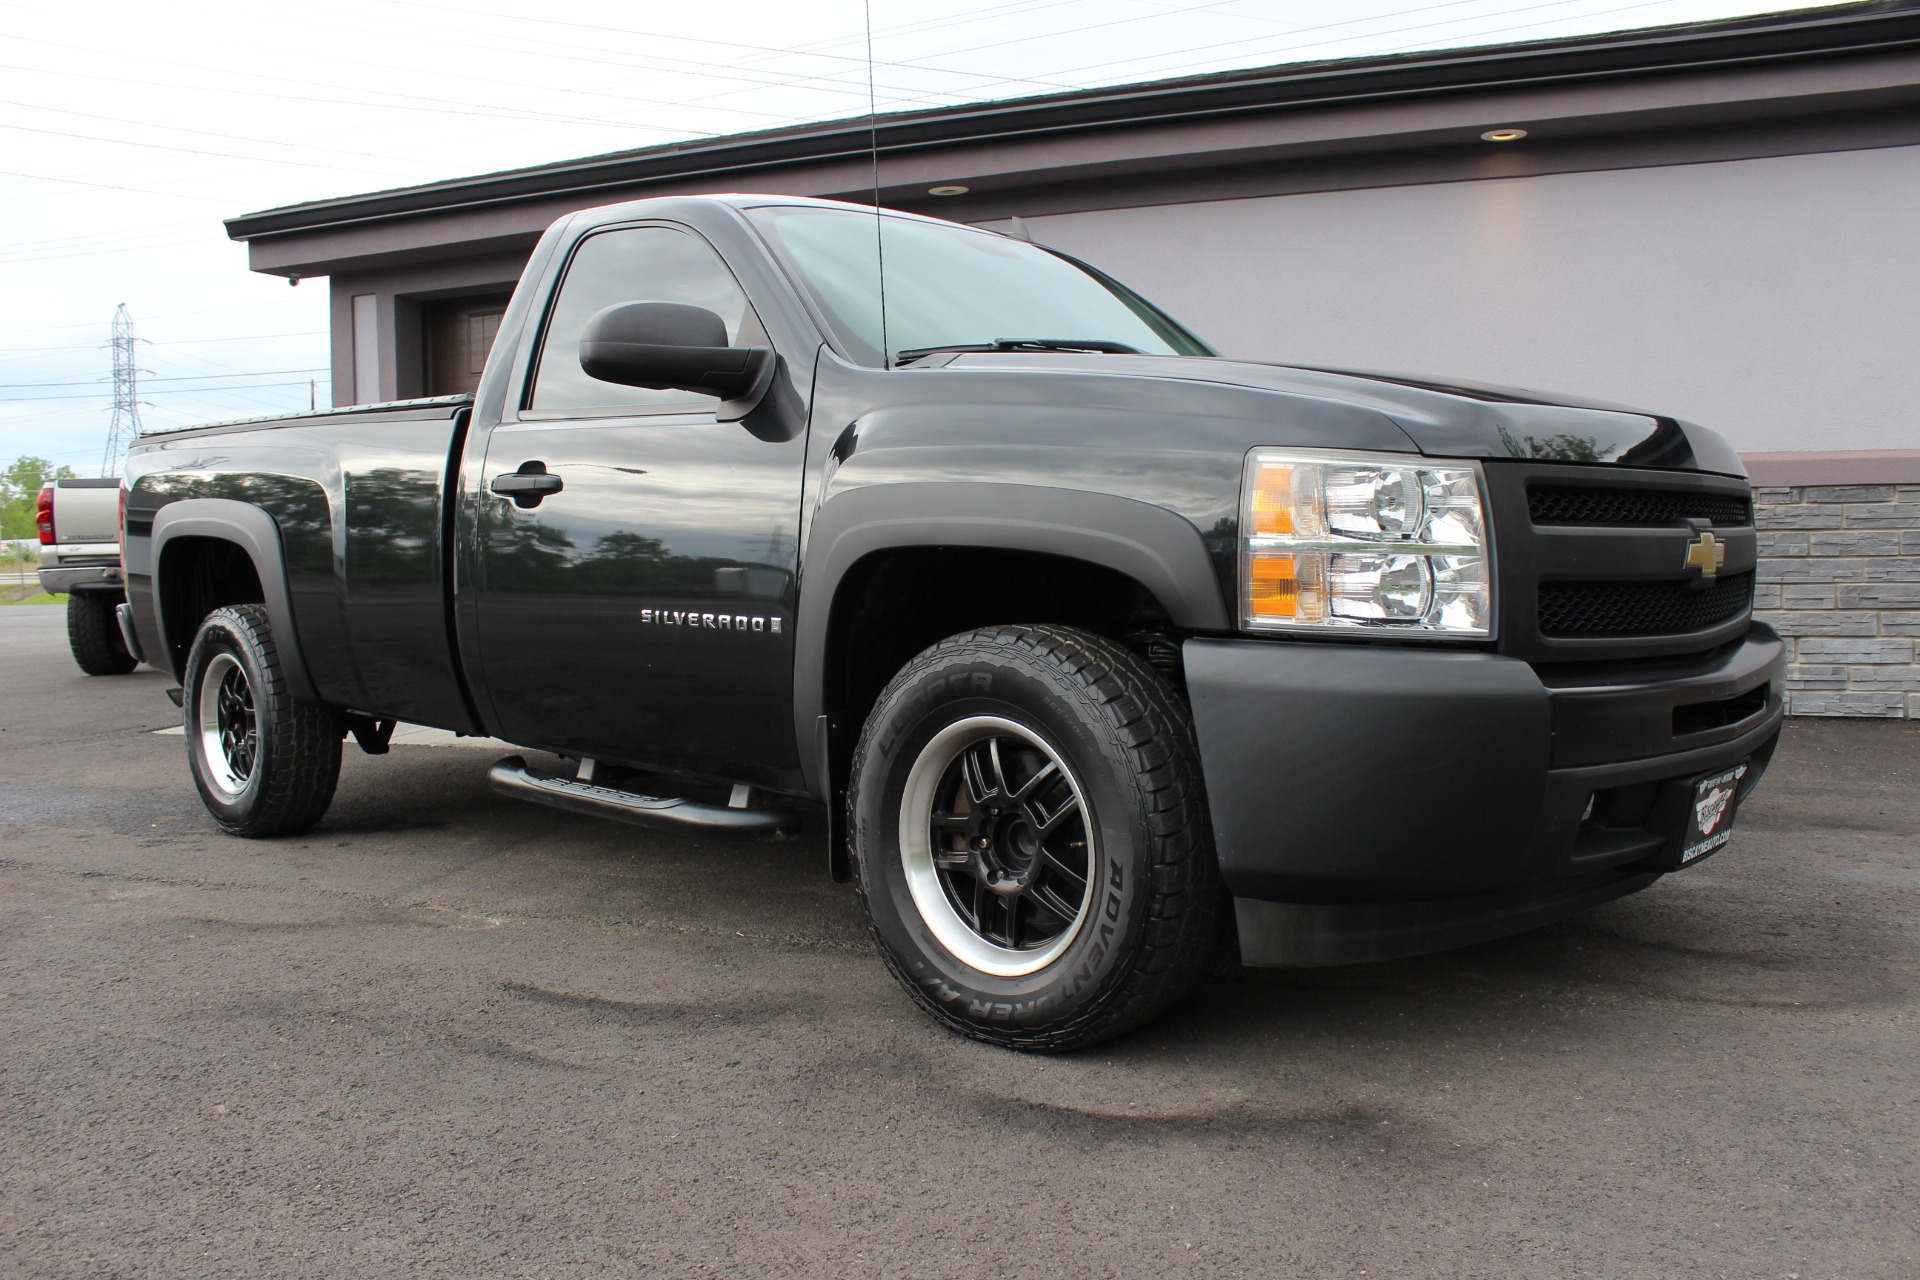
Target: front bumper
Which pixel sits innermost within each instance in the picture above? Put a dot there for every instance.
(1372, 801)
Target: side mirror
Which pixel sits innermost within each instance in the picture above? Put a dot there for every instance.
(669, 345)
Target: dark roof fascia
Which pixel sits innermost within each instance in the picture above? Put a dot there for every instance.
(1888, 26)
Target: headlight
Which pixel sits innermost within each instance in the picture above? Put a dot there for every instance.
(1381, 542)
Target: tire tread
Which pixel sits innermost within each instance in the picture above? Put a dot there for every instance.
(93, 633)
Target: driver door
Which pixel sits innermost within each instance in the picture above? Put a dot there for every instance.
(641, 610)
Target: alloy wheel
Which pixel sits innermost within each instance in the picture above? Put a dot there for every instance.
(998, 847)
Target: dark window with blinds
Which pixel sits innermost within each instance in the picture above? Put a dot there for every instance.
(458, 336)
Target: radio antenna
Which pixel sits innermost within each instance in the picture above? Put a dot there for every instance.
(873, 147)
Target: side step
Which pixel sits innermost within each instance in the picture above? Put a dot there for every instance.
(511, 777)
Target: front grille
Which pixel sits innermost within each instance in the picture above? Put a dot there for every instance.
(1586, 504)
(1640, 608)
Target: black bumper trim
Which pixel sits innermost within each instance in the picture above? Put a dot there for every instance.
(1291, 934)
(1604, 712)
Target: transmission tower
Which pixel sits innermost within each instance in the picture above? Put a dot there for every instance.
(126, 400)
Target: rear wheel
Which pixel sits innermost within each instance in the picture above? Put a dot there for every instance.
(264, 764)
(93, 632)
(1030, 840)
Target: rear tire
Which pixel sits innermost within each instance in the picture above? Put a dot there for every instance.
(1030, 837)
(93, 632)
(264, 764)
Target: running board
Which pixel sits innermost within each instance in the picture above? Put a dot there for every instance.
(511, 777)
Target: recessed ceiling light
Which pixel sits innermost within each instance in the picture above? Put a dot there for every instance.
(1503, 135)
(948, 191)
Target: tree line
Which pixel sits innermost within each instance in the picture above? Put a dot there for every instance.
(20, 486)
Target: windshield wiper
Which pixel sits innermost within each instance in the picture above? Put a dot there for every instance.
(1023, 344)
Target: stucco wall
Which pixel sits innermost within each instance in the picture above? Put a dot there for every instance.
(1776, 300)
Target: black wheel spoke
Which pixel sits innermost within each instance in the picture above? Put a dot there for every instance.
(949, 861)
(1047, 823)
(974, 767)
(1047, 772)
(1060, 866)
(1013, 919)
(1047, 897)
(999, 770)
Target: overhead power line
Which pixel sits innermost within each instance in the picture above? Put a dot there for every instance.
(1253, 53)
(204, 133)
(195, 151)
(858, 65)
(183, 377)
(164, 315)
(105, 186)
(176, 342)
(401, 101)
(170, 391)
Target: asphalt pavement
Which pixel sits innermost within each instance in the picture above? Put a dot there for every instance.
(448, 1034)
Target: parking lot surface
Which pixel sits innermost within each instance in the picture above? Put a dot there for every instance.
(448, 1034)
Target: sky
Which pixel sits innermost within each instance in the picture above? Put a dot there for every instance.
(128, 132)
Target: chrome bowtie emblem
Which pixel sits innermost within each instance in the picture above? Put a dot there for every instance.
(1706, 553)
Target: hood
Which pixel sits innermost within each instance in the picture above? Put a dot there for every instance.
(1443, 419)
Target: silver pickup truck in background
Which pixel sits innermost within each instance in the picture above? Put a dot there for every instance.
(79, 525)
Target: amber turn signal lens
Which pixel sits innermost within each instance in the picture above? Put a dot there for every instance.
(1283, 586)
(1273, 498)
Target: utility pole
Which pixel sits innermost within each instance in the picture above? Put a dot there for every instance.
(126, 401)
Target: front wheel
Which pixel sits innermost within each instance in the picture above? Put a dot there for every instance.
(264, 764)
(1030, 838)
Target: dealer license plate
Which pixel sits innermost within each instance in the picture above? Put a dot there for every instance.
(1710, 820)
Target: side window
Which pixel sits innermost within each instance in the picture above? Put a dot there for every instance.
(638, 264)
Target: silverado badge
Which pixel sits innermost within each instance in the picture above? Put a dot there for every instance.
(1706, 553)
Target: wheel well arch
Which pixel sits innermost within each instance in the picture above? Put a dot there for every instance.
(212, 552)
(894, 603)
(195, 576)
(891, 569)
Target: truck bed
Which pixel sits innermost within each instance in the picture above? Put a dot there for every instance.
(359, 495)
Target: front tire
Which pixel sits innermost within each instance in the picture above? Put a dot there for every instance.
(1030, 837)
(93, 633)
(264, 764)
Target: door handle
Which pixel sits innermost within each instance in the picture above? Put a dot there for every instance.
(528, 485)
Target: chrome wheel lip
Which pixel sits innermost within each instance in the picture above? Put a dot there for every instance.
(212, 724)
(929, 896)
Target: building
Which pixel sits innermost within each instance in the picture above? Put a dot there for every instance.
(1717, 220)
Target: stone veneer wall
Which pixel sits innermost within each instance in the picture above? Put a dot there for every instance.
(1839, 578)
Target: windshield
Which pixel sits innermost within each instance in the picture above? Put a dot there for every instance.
(949, 285)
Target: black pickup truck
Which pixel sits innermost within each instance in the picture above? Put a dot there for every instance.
(1097, 649)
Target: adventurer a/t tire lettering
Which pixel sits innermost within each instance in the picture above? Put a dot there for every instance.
(1030, 837)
